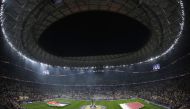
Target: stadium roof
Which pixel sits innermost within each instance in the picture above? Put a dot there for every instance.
(23, 22)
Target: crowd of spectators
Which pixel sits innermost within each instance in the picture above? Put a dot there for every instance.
(168, 87)
(174, 92)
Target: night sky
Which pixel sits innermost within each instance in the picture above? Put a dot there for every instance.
(94, 33)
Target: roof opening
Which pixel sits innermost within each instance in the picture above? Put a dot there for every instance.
(93, 33)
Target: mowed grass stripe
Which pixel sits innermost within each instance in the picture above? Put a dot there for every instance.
(77, 104)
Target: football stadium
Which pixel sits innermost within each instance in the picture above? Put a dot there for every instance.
(95, 54)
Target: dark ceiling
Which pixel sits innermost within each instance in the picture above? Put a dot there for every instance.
(93, 33)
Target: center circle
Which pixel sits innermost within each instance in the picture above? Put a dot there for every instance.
(93, 33)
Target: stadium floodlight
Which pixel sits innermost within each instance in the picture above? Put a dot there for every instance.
(46, 72)
(3, 1)
(156, 67)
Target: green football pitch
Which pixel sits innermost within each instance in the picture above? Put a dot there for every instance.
(77, 104)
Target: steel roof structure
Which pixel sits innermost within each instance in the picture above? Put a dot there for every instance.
(23, 21)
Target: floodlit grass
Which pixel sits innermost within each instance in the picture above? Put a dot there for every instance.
(77, 104)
